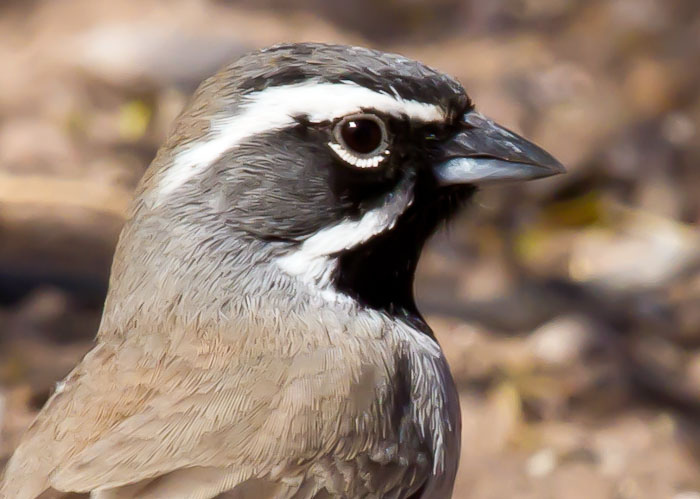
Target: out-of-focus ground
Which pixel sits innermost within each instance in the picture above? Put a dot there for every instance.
(569, 308)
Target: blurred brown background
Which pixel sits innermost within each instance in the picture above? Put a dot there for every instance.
(568, 308)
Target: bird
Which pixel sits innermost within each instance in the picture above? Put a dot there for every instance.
(260, 336)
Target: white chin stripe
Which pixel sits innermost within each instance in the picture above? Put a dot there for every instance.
(275, 108)
(313, 261)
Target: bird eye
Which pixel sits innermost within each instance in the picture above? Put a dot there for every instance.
(362, 135)
(361, 140)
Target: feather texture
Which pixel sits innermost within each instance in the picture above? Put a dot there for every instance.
(326, 418)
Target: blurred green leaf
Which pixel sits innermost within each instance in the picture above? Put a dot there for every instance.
(134, 118)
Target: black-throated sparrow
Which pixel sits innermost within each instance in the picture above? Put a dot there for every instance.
(260, 336)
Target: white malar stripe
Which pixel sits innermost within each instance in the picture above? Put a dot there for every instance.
(275, 108)
(313, 262)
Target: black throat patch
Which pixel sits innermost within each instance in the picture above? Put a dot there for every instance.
(380, 273)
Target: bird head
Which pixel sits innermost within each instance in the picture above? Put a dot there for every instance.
(313, 167)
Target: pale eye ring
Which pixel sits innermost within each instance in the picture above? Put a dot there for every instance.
(361, 140)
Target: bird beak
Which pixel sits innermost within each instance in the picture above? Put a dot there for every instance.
(484, 152)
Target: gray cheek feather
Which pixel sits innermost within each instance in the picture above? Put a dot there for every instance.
(273, 192)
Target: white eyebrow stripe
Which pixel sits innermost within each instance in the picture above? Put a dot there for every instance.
(275, 108)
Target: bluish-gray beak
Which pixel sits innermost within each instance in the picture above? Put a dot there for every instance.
(484, 152)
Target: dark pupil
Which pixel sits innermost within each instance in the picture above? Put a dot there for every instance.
(362, 136)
